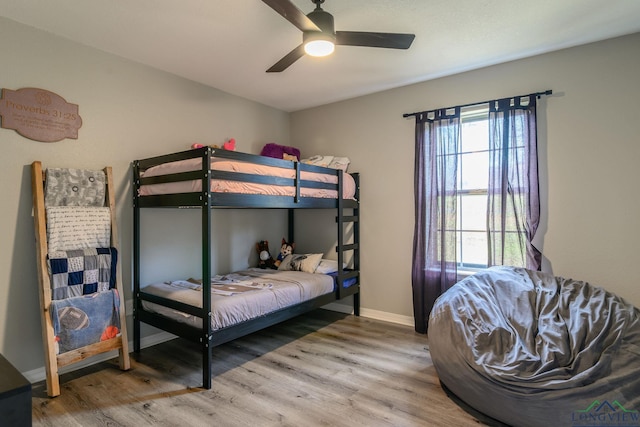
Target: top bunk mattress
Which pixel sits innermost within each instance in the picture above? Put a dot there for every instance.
(240, 296)
(241, 187)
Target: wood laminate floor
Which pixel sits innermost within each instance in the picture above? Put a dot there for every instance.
(320, 369)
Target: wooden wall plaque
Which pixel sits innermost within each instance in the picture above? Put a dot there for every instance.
(39, 114)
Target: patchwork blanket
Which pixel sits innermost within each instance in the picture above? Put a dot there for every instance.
(82, 271)
(74, 187)
(85, 320)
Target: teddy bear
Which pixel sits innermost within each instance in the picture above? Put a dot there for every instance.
(265, 258)
(285, 249)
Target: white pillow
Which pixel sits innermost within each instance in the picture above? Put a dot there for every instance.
(300, 262)
(327, 266)
(340, 163)
(329, 162)
(319, 160)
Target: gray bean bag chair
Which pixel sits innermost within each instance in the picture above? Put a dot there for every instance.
(526, 348)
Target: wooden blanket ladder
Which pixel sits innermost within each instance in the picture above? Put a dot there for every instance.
(53, 361)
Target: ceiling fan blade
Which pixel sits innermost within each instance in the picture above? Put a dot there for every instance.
(292, 14)
(387, 40)
(288, 59)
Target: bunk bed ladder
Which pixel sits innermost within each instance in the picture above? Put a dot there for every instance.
(354, 245)
(108, 342)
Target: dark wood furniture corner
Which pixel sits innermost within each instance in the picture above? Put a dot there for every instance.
(15, 396)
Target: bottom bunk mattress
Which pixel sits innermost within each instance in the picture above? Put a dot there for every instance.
(530, 349)
(240, 296)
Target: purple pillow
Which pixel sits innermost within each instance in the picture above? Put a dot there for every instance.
(277, 151)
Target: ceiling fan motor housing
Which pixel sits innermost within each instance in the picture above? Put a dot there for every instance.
(324, 21)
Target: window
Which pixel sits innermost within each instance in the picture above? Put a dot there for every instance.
(472, 216)
(473, 182)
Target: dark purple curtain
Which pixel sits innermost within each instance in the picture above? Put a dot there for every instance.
(434, 245)
(513, 210)
(513, 207)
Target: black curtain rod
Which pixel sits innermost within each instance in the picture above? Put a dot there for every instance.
(538, 94)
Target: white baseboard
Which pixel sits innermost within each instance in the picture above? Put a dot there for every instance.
(372, 314)
(39, 374)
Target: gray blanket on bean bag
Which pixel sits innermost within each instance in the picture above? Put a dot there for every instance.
(530, 349)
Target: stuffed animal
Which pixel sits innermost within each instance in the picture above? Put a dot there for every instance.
(278, 151)
(265, 258)
(230, 145)
(285, 249)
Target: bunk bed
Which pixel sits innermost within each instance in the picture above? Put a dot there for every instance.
(208, 179)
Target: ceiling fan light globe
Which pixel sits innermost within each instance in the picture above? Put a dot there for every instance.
(319, 47)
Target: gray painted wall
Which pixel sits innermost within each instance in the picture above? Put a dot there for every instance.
(129, 111)
(589, 153)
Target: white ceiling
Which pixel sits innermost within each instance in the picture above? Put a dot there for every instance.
(228, 44)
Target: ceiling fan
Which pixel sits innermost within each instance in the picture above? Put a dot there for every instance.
(319, 36)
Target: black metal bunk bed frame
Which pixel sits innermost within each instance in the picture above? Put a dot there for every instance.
(207, 200)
